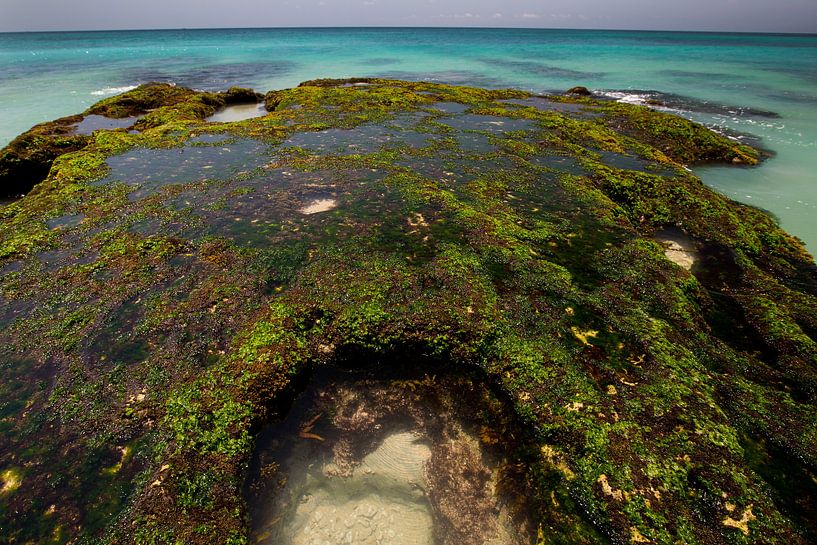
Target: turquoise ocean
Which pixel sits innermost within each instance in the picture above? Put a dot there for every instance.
(758, 87)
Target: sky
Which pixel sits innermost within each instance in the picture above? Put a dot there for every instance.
(705, 15)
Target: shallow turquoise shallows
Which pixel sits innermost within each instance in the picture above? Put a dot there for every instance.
(759, 86)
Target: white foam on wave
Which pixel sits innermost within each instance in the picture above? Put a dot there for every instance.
(113, 90)
(640, 99)
(628, 97)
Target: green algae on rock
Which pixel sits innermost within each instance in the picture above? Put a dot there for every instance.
(28, 158)
(155, 313)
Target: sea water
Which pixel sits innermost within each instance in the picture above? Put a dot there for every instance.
(762, 87)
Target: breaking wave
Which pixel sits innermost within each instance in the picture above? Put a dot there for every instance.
(105, 91)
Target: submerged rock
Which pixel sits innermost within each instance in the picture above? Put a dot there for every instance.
(679, 248)
(163, 293)
(408, 462)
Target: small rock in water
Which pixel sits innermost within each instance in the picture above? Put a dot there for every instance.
(579, 90)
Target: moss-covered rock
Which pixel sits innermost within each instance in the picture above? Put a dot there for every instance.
(579, 90)
(679, 138)
(141, 100)
(240, 95)
(163, 292)
(26, 161)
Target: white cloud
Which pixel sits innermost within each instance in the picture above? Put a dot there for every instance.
(467, 15)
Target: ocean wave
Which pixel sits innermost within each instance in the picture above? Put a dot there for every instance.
(630, 97)
(652, 99)
(671, 102)
(112, 90)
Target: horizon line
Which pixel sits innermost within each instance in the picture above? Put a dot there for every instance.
(432, 27)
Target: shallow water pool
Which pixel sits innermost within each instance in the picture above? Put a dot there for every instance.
(360, 461)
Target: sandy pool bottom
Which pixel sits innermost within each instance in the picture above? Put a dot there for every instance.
(381, 463)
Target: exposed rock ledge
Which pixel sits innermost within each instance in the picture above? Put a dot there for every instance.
(164, 292)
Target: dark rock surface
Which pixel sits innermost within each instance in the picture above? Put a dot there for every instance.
(580, 91)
